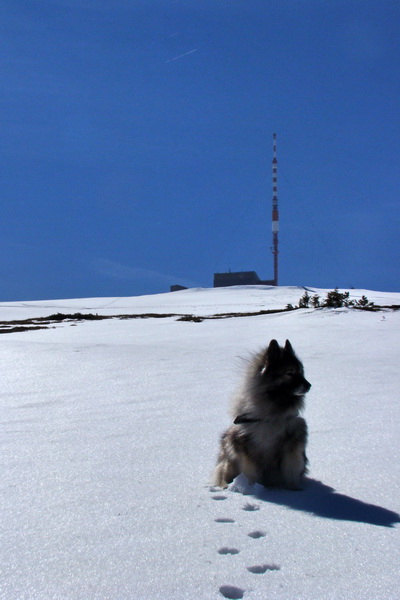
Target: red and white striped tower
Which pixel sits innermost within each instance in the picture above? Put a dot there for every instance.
(275, 214)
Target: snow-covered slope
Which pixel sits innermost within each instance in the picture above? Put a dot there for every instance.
(199, 301)
(110, 432)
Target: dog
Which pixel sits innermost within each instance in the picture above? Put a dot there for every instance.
(267, 441)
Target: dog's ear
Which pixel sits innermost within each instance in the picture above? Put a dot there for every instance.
(288, 348)
(273, 352)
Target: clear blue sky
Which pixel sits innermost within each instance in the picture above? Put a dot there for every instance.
(136, 143)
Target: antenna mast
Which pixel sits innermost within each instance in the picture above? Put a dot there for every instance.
(275, 214)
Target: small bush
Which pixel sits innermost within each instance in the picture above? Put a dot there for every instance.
(336, 299)
(304, 301)
(363, 302)
(315, 301)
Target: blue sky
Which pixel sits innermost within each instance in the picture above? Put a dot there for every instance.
(136, 143)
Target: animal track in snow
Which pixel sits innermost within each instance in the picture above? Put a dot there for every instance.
(231, 592)
(226, 550)
(250, 507)
(257, 534)
(260, 569)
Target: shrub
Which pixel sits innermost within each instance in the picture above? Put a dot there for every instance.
(363, 302)
(304, 301)
(336, 299)
(315, 301)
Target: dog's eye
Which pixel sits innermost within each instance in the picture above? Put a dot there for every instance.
(291, 373)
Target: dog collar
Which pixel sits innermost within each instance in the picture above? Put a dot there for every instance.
(245, 419)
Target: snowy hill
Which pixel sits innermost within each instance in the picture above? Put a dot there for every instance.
(110, 433)
(204, 301)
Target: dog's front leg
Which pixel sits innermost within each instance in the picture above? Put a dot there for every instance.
(294, 460)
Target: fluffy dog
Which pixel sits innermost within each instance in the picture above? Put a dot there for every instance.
(268, 438)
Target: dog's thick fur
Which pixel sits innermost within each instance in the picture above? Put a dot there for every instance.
(267, 440)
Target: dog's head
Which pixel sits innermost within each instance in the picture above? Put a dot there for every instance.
(282, 374)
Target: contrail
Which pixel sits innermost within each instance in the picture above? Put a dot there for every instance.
(181, 55)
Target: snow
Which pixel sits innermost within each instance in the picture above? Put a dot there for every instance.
(110, 433)
(196, 301)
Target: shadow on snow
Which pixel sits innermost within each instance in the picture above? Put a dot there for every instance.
(323, 501)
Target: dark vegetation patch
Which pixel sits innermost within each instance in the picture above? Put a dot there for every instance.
(20, 328)
(199, 319)
(47, 322)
